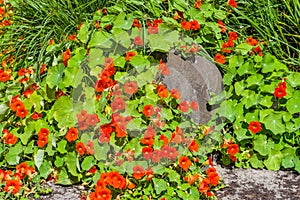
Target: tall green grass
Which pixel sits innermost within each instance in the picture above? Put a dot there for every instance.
(275, 22)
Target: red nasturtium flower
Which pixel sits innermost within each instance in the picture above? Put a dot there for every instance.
(148, 110)
(193, 146)
(184, 163)
(4, 76)
(42, 141)
(162, 91)
(43, 132)
(130, 87)
(251, 41)
(214, 178)
(194, 25)
(282, 85)
(136, 23)
(279, 92)
(183, 106)
(80, 148)
(10, 138)
(118, 104)
(36, 116)
(138, 172)
(66, 56)
(129, 55)
(254, 127)
(222, 26)
(13, 186)
(164, 68)
(232, 3)
(233, 149)
(90, 147)
(102, 194)
(198, 4)
(194, 105)
(72, 134)
(138, 41)
(186, 25)
(232, 36)
(147, 152)
(21, 112)
(175, 93)
(219, 58)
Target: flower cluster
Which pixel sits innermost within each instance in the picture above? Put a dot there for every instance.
(106, 181)
(280, 90)
(13, 182)
(16, 105)
(42, 137)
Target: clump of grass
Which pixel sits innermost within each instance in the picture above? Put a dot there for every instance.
(275, 22)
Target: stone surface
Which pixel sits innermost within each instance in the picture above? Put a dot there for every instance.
(196, 81)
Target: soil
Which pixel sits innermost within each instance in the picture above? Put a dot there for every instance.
(240, 184)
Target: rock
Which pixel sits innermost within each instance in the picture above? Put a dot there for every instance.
(196, 81)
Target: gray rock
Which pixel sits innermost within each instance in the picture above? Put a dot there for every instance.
(196, 81)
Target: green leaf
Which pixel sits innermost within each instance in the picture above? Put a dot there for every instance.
(268, 63)
(100, 39)
(239, 87)
(256, 79)
(71, 161)
(274, 160)
(266, 101)
(227, 109)
(26, 134)
(246, 68)
(63, 177)
(294, 79)
(120, 21)
(83, 33)
(159, 185)
(255, 162)
(139, 63)
(273, 122)
(163, 41)
(54, 75)
(61, 146)
(73, 76)
(45, 169)
(59, 161)
(293, 105)
(63, 112)
(144, 78)
(3, 108)
(101, 151)
(243, 48)
(252, 116)
(262, 145)
(166, 114)
(235, 61)
(39, 157)
(12, 157)
(87, 163)
(250, 98)
(96, 58)
(173, 175)
(288, 161)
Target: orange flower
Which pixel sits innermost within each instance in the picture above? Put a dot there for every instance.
(66, 56)
(90, 147)
(129, 55)
(103, 194)
(222, 26)
(4, 76)
(72, 134)
(147, 152)
(42, 141)
(136, 23)
(22, 168)
(183, 106)
(148, 110)
(164, 68)
(162, 91)
(13, 186)
(232, 3)
(10, 139)
(184, 163)
(14, 106)
(21, 112)
(251, 41)
(138, 172)
(117, 180)
(204, 186)
(147, 141)
(194, 25)
(118, 104)
(279, 92)
(194, 105)
(36, 116)
(232, 36)
(254, 127)
(194, 146)
(214, 178)
(175, 93)
(138, 41)
(130, 87)
(219, 58)
(80, 148)
(43, 132)
(233, 149)
(198, 4)
(186, 25)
